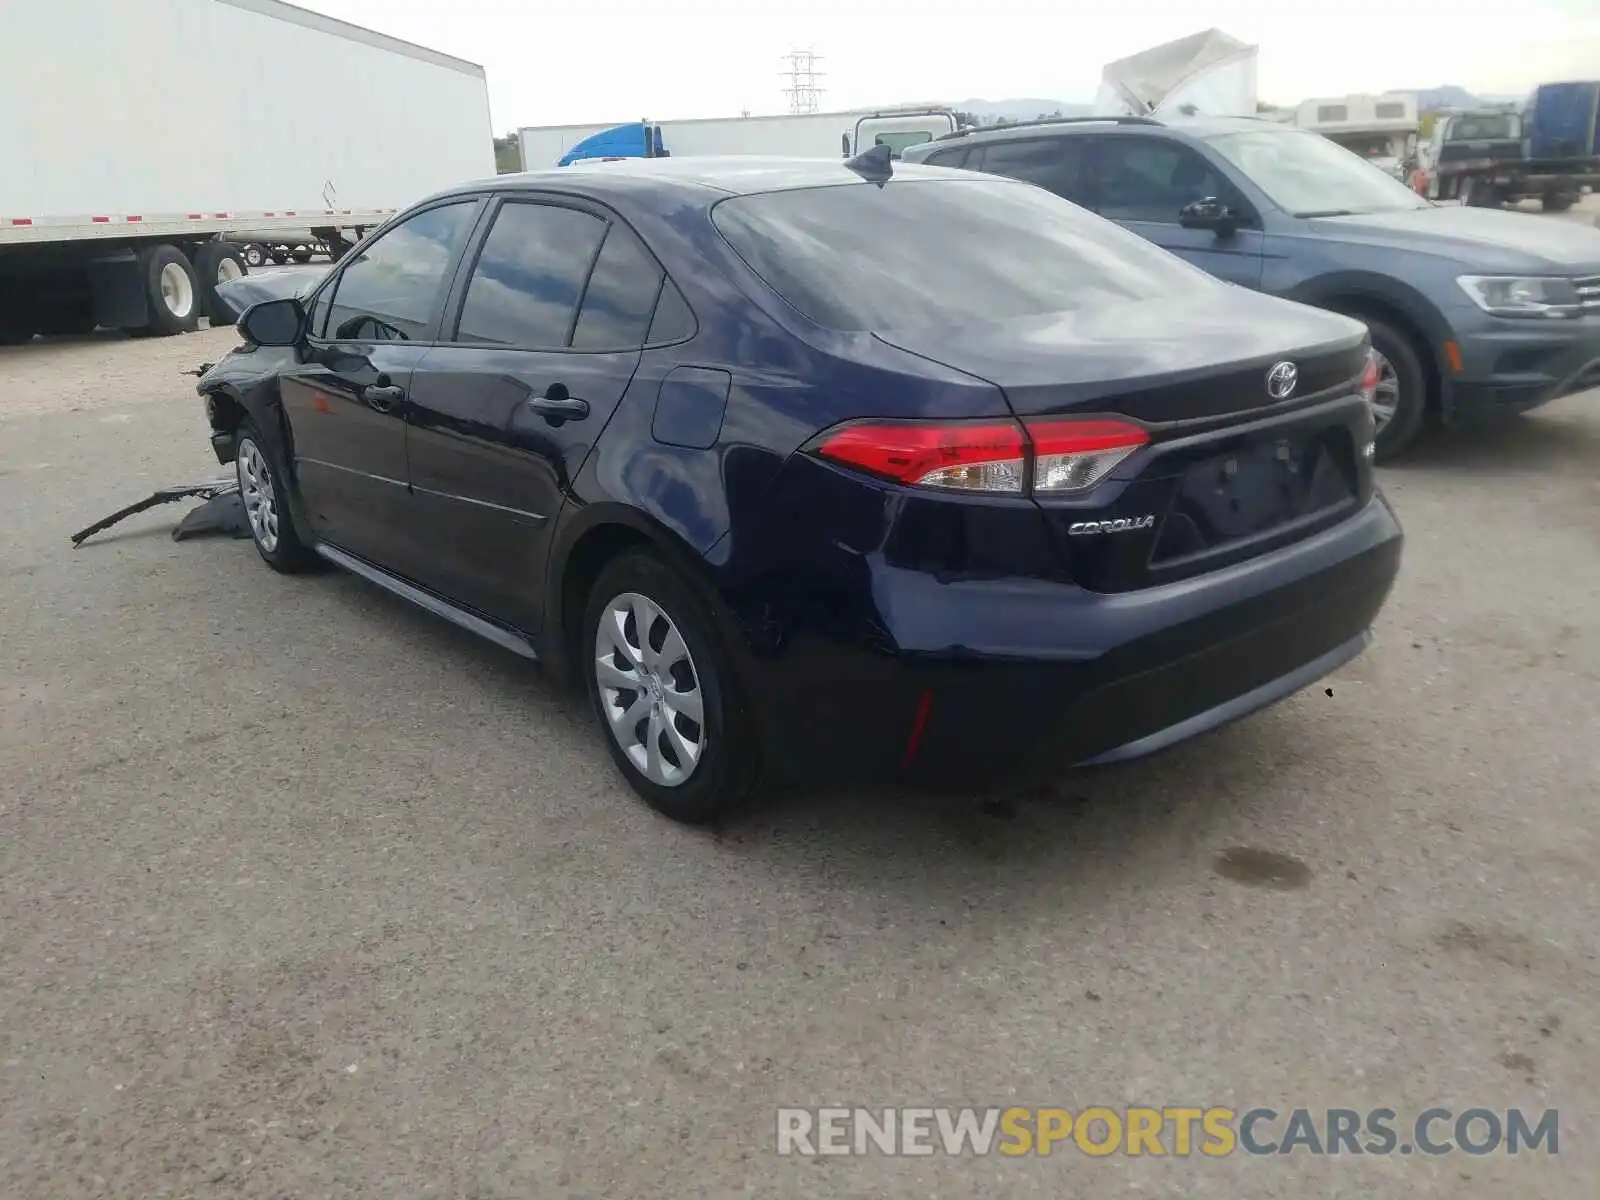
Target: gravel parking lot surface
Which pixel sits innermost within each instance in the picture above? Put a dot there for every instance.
(304, 893)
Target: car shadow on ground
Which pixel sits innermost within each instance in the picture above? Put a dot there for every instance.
(1538, 440)
(1132, 824)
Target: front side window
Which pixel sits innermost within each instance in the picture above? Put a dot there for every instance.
(941, 253)
(393, 289)
(1306, 175)
(525, 286)
(1151, 179)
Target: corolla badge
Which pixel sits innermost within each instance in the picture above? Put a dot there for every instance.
(1281, 380)
(1116, 525)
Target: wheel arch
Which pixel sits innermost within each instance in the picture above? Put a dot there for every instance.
(231, 405)
(596, 535)
(1362, 295)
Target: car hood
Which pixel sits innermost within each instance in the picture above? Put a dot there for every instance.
(1477, 237)
(281, 283)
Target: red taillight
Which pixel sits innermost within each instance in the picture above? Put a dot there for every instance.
(1369, 376)
(983, 456)
(1062, 454)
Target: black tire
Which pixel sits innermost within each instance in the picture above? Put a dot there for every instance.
(154, 263)
(1402, 430)
(725, 771)
(254, 255)
(277, 542)
(1476, 193)
(1558, 203)
(211, 261)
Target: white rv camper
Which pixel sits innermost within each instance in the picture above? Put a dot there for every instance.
(1209, 74)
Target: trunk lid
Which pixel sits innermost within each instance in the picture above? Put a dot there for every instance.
(1155, 361)
(1232, 469)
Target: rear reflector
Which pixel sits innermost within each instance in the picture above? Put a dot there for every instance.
(1056, 456)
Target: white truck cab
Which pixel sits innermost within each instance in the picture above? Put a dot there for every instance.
(898, 129)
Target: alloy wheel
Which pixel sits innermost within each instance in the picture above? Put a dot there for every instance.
(1386, 395)
(649, 689)
(255, 490)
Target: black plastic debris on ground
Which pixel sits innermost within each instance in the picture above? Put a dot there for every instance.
(222, 514)
(225, 517)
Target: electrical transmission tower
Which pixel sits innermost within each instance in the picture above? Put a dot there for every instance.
(800, 69)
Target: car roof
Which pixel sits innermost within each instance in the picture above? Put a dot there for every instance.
(1049, 127)
(710, 177)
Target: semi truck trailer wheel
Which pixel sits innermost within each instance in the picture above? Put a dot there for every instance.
(214, 263)
(254, 255)
(171, 290)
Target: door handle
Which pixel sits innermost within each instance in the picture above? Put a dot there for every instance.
(559, 408)
(383, 397)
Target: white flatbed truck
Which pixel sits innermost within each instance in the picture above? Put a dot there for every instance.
(119, 190)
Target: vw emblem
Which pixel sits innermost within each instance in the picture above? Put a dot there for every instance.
(1281, 380)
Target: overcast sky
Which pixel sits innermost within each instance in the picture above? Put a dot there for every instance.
(619, 60)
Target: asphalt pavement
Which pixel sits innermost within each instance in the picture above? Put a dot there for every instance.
(305, 893)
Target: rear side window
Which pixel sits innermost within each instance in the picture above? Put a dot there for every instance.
(942, 252)
(948, 158)
(673, 321)
(393, 289)
(620, 297)
(1055, 164)
(524, 289)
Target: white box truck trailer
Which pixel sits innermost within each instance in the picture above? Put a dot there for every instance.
(141, 134)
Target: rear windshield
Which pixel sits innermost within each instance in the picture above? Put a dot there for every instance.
(936, 252)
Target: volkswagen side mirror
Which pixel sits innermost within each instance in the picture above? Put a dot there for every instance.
(1209, 213)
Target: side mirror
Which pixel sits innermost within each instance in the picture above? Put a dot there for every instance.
(1209, 213)
(844, 144)
(273, 322)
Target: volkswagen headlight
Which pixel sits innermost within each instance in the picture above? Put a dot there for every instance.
(1523, 296)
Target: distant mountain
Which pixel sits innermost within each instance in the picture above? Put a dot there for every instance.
(1022, 109)
(1450, 96)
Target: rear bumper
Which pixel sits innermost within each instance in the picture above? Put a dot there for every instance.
(1035, 677)
(1514, 366)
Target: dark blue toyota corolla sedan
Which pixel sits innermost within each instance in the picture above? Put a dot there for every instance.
(806, 469)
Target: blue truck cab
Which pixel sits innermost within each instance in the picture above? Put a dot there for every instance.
(1561, 123)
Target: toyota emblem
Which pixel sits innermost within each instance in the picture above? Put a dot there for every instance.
(1281, 380)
